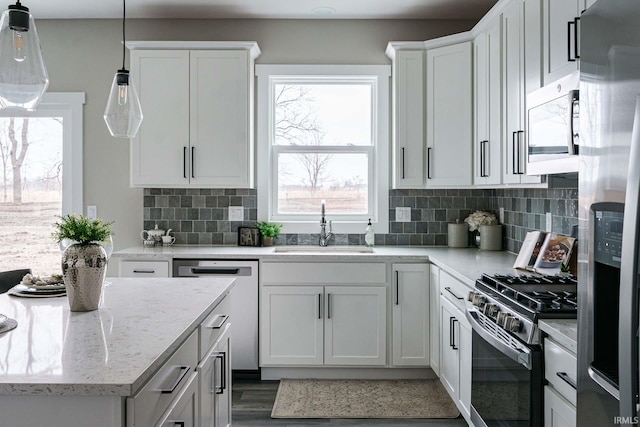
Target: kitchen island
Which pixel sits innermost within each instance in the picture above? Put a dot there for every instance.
(63, 368)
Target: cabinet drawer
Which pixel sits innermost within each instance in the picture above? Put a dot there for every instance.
(184, 408)
(323, 272)
(147, 406)
(144, 269)
(453, 290)
(213, 326)
(558, 364)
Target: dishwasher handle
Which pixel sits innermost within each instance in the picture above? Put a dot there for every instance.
(208, 271)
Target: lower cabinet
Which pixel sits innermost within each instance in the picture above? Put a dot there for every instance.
(128, 268)
(455, 355)
(183, 411)
(323, 325)
(558, 412)
(560, 397)
(215, 384)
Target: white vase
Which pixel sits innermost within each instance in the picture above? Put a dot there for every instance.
(84, 268)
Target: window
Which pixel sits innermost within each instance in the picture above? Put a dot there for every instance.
(40, 178)
(323, 134)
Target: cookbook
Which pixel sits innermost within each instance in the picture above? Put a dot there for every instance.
(545, 253)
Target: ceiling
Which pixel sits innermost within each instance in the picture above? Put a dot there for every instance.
(271, 9)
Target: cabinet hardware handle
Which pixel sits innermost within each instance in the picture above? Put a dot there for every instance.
(319, 306)
(520, 150)
(576, 38)
(402, 162)
(178, 423)
(193, 171)
(569, 31)
(223, 372)
(481, 144)
(397, 289)
(564, 377)
(144, 271)
(184, 162)
(184, 369)
(453, 332)
(328, 306)
(221, 319)
(483, 158)
(513, 153)
(448, 289)
(429, 163)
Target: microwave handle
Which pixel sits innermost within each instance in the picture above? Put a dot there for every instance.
(574, 97)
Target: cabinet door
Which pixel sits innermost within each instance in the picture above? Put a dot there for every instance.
(355, 325)
(219, 121)
(291, 325)
(449, 354)
(464, 342)
(410, 302)
(434, 317)
(223, 380)
(559, 37)
(408, 119)
(557, 411)
(183, 411)
(449, 76)
(532, 45)
(159, 151)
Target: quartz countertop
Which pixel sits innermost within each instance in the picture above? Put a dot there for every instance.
(563, 331)
(466, 264)
(112, 351)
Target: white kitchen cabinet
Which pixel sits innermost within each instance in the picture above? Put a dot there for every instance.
(215, 383)
(561, 35)
(557, 411)
(135, 268)
(488, 106)
(449, 359)
(411, 315)
(223, 387)
(183, 411)
(449, 111)
(198, 117)
(532, 46)
(355, 325)
(513, 97)
(434, 317)
(316, 325)
(408, 119)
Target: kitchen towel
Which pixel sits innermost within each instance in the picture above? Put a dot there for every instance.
(309, 398)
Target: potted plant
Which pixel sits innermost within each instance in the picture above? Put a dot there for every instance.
(84, 260)
(269, 232)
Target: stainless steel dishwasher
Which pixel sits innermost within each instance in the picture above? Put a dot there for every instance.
(244, 302)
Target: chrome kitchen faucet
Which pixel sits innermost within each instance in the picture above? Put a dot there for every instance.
(324, 237)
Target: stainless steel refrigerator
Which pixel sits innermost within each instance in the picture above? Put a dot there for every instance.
(609, 193)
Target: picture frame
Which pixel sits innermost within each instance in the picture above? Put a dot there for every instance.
(248, 236)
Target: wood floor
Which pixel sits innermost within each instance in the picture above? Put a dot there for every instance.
(253, 401)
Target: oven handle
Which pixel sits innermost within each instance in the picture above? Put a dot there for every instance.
(520, 356)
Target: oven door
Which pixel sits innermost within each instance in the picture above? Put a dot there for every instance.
(506, 377)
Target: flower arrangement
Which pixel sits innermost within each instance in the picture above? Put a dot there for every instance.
(478, 218)
(83, 230)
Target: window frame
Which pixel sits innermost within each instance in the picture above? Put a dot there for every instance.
(378, 171)
(69, 106)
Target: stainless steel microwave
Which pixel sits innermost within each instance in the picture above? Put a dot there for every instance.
(553, 127)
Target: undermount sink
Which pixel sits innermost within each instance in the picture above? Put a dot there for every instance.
(323, 250)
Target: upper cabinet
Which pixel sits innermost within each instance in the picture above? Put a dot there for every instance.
(449, 75)
(197, 103)
(408, 119)
(514, 93)
(561, 37)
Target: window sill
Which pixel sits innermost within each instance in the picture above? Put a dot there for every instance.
(339, 227)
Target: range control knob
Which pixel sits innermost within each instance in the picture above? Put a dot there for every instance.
(513, 324)
(479, 300)
(491, 310)
(502, 319)
(471, 296)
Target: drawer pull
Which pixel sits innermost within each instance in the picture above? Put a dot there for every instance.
(178, 423)
(217, 323)
(448, 289)
(223, 373)
(184, 369)
(144, 271)
(564, 377)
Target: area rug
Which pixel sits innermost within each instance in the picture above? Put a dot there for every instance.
(363, 399)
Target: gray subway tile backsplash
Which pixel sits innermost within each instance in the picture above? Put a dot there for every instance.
(199, 216)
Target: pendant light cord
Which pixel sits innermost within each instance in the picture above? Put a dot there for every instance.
(124, 12)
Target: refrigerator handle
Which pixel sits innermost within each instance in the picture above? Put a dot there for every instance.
(628, 318)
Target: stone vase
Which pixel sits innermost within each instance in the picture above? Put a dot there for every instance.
(267, 241)
(84, 268)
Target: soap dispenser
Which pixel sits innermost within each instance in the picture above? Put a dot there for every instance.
(369, 235)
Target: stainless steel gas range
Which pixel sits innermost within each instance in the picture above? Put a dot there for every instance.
(507, 366)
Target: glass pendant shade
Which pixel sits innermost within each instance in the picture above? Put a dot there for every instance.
(123, 114)
(23, 75)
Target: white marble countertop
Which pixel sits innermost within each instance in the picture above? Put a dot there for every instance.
(111, 351)
(563, 331)
(466, 264)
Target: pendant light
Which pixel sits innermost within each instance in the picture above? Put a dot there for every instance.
(123, 114)
(23, 75)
